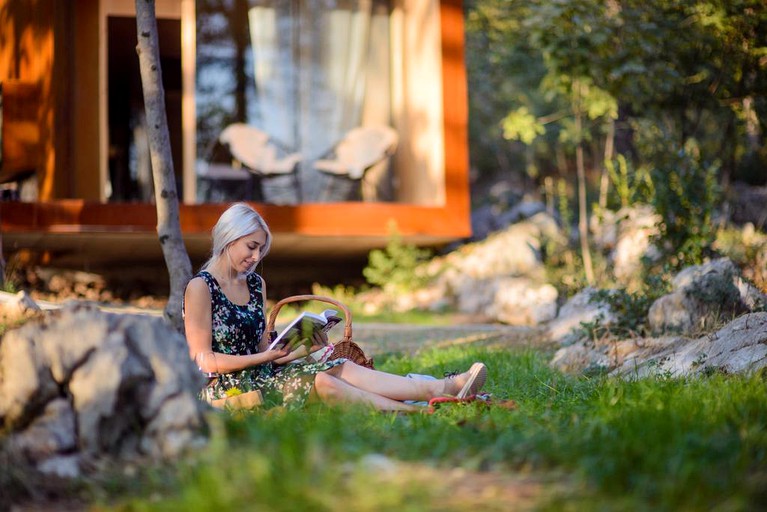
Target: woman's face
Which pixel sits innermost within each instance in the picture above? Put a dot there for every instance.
(246, 251)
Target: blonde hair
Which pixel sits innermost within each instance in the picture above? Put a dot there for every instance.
(237, 221)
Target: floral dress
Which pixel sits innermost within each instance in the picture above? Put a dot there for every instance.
(237, 330)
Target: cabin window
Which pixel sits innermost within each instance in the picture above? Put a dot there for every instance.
(303, 74)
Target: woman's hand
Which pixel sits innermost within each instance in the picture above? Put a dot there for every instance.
(319, 340)
(274, 354)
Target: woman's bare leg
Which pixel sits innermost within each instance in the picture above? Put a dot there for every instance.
(393, 386)
(331, 389)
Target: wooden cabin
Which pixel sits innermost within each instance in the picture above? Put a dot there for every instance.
(74, 162)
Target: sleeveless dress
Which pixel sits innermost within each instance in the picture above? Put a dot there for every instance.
(237, 330)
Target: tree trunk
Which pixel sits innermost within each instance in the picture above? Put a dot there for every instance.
(163, 175)
(604, 184)
(583, 219)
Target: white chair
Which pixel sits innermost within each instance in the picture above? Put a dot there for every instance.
(361, 150)
(255, 151)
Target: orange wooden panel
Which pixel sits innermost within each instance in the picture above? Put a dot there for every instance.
(456, 113)
(321, 220)
(21, 128)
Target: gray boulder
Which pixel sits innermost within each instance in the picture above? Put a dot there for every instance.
(625, 236)
(738, 347)
(78, 383)
(703, 295)
(580, 308)
(501, 277)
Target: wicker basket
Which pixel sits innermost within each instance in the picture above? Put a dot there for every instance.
(345, 347)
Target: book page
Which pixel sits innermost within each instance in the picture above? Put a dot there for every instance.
(301, 329)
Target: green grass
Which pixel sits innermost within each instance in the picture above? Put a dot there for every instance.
(656, 444)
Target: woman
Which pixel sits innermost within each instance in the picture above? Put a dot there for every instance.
(224, 320)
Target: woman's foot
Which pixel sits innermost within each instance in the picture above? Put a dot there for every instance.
(467, 383)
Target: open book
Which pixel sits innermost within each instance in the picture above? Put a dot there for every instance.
(302, 328)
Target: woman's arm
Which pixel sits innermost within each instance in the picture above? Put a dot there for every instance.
(265, 339)
(199, 333)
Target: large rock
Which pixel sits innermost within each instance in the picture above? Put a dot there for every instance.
(79, 383)
(703, 295)
(749, 204)
(515, 250)
(501, 277)
(579, 358)
(520, 301)
(739, 347)
(17, 306)
(580, 308)
(511, 300)
(625, 235)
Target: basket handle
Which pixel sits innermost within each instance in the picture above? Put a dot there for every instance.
(321, 298)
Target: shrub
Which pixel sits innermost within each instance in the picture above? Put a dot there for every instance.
(395, 268)
(686, 195)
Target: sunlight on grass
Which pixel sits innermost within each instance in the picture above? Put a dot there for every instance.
(654, 444)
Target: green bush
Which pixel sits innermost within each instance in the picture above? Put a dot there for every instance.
(630, 310)
(686, 195)
(630, 185)
(395, 268)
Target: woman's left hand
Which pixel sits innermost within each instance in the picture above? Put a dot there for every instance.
(319, 340)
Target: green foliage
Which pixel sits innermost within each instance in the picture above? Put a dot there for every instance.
(631, 186)
(395, 268)
(687, 70)
(686, 195)
(630, 311)
(565, 210)
(9, 286)
(655, 444)
(521, 125)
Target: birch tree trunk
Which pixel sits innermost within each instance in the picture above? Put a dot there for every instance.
(163, 175)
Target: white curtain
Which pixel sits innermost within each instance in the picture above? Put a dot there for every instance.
(310, 69)
(271, 36)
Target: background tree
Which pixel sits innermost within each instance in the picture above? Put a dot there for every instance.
(684, 81)
(166, 197)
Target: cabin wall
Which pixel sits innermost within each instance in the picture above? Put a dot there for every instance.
(53, 45)
(455, 122)
(83, 175)
(26, 55)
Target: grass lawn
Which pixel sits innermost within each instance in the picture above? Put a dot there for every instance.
(571, 444)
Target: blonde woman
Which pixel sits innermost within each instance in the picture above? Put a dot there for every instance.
(224, 318)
